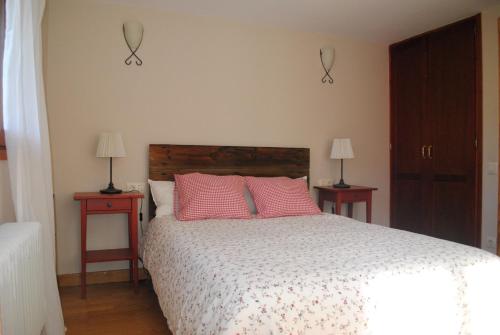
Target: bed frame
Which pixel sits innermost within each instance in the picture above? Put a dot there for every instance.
(166, 160)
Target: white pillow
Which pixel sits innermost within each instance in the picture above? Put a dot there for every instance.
(249, 200)
(163, 196)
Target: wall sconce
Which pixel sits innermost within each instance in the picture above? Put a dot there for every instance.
(133, 32)
(327, 55)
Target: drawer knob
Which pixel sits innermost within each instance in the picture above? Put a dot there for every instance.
(109, 204)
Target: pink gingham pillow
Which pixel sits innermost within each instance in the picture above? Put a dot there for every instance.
(281, 196)
(203, 196)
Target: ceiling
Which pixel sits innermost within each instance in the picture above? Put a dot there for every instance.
(383, 21)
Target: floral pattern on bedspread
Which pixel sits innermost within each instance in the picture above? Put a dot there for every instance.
(322, 274)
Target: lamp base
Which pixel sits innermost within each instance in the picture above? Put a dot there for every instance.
(111, 190)
(341, 184)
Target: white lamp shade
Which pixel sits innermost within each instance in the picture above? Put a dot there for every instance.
(133, 32)
(327, 57)
(341, 149)
(110, 145)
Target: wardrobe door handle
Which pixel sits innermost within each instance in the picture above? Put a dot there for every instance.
(423, 151)
(429, 151)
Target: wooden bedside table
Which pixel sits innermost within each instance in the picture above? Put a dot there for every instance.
(338, 196)
(97, 203)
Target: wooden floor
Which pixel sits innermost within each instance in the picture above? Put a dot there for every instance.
(113, 309)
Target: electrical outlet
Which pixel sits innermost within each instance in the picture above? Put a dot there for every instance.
(490, 242)
(321, 182)
(136, 187)
(325, 182)
(492, 168)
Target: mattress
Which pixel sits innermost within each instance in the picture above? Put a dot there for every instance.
(322, 274)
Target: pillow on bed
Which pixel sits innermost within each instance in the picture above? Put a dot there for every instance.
(203, 196)
(251, 203)
(281, 196)
(163, 196)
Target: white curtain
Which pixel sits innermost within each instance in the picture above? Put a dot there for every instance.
(27, 137)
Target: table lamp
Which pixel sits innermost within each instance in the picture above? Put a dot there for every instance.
(341, 149)
(110, 145)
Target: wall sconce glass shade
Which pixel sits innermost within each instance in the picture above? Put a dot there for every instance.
(327, 55)
(133, 32)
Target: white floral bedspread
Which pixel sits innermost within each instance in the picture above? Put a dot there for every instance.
(322, 274)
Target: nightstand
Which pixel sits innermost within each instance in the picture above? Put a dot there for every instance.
(338, 196)
(96, 203)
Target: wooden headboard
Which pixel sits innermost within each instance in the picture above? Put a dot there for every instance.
(166, 160)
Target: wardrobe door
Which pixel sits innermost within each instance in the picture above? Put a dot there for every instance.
(408, 66)
(451, 105)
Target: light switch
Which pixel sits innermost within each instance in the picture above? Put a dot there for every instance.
(493, 168)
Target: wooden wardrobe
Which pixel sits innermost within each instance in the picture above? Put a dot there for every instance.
(435, 84)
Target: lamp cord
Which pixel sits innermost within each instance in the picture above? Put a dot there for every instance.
(142, 229)
(140, 219)
(140, 211)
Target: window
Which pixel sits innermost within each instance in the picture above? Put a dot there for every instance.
(3, 148)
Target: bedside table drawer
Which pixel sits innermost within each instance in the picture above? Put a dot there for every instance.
(355, 196)
(108, 204)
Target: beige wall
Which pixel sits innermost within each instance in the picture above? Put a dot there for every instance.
(204, 81)
(490, 122)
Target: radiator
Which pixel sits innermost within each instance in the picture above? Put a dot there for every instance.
(22, 300)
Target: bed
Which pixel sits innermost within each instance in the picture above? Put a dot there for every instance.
(321, 274)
